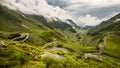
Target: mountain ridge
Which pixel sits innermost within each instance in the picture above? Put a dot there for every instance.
(30, 41)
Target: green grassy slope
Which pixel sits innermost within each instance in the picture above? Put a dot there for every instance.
(111, 30)
(111, 25)
(14, 21)
(49, 45)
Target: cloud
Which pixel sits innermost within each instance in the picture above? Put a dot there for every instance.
(84, 12)
(38, 7)
(89, 20)
(95, 3)
(110, 16)
(86, 6)
(95, 8)
(60, 3)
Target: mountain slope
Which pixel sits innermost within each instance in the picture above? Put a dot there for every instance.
(111, 25)
(14, 21)
(30, 41)
(111, 30)
(23, 38)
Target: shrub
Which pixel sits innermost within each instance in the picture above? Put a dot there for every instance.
(12, 56)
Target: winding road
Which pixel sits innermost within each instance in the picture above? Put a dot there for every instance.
(98, 55)
(68, 46)
(86, 55)
(102, 46)
(27, 36)
(46, 45)
(24, 35)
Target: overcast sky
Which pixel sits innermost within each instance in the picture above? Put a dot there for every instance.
(83, 12)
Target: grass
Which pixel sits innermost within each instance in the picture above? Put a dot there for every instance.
(28, 54)
(113, 45)
(23, 55)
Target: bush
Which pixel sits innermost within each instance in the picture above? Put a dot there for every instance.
(12, 56)
(52, 63)
(34, 64)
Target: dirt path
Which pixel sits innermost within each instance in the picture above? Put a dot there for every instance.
(46, 45)
(97, 56)
(75, 50)
(102, 46)
(68, 46)
(23, 40)
(27, 36)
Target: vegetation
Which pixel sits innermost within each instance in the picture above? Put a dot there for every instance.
(55, 44)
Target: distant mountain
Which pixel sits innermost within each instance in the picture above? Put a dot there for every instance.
(73, 24)
(58, 24)
(88, 27)
(110, 30)
(15, 21)
(111, 25)
(31, 41)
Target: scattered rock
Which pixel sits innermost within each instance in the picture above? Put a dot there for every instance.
(2, 44)
(51, 55)
(35, 57)
(93, 56)
(60, 49)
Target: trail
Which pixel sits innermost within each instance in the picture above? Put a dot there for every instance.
(102, 46)
(46, 45)
(68, 46)
(23, 40)
(27, 36)
(98, 55)
(75, 50)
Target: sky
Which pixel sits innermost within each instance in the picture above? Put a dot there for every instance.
(83, 12)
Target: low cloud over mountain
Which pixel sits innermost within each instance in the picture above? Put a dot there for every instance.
(94, 11)
(38, 7)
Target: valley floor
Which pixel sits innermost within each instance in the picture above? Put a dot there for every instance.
(56, 54)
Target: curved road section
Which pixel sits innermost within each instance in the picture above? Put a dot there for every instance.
(25, 36)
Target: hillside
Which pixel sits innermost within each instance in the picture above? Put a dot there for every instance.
(111, 25)
(30, 41)
(111, 30)
(14, 21)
